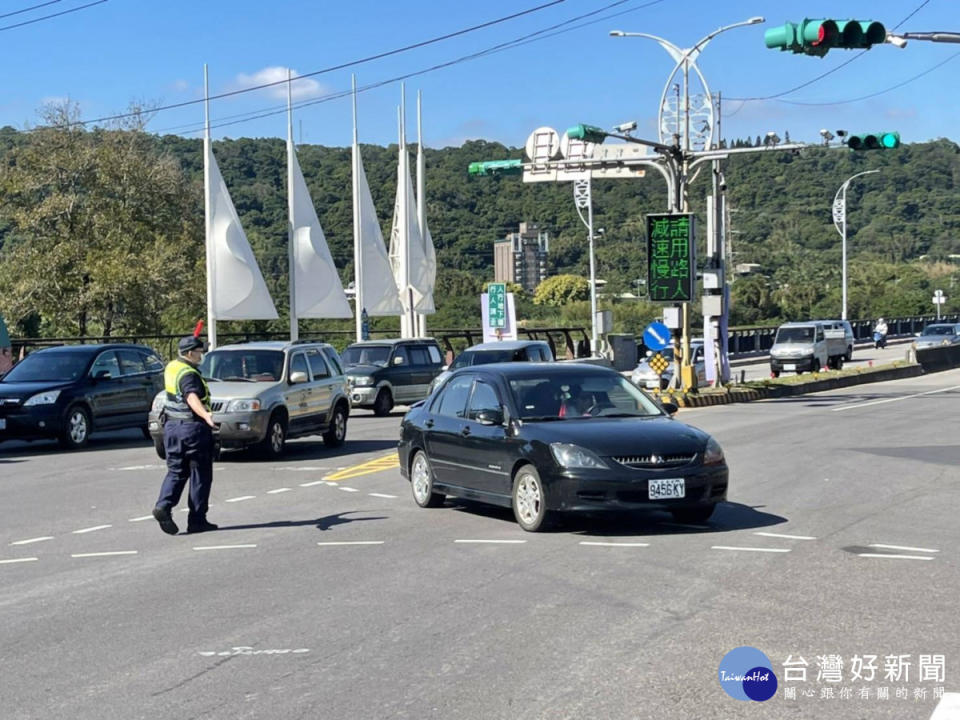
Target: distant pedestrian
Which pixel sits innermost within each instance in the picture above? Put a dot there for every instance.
(187, 439)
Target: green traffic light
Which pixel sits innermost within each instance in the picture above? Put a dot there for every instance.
(874, 141)
(496, 167)
(817, 37)
(587, 133)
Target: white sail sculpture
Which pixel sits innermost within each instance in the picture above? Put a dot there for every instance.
(410, 266)
(376, 290)
(235, 286)
(426, 305)
(315, 287)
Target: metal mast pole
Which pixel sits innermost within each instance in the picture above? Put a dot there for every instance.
(207, 154)
(291, 244)
(357, 239)
(840, 222)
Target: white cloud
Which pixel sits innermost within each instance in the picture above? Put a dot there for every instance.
(302, 88)
(179, 85)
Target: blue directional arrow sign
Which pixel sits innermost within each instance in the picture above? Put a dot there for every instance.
(656, 336)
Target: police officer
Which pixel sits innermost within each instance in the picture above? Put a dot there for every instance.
(188, 439)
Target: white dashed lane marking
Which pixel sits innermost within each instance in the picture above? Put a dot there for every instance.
(896, 399)
(750, 549)
(17, 560)
(788, 537)
(104, 554)
(614, 544)
(903, 547)
(381, 495)
(277, 491)
(141, 518)
(30, 541)
(895, 557)
(91, 529)
(349, 489)
(353, 542)
(311, 484)
(241, 498)
(491, 542)
(224, 547)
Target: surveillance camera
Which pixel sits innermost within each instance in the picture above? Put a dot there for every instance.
(841, 133)
(626, 127)
(723, 186)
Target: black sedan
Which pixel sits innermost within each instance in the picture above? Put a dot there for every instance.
(547, 438)
(70, 391)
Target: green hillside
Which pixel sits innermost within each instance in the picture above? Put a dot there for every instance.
(89, 244)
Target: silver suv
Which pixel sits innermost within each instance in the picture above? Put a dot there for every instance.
(263, 393)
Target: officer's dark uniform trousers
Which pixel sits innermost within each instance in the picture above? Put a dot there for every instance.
(188, 442)
(189, 446)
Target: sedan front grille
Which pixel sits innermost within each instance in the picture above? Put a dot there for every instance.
(654, 462)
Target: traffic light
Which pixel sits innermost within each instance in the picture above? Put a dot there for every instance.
(874, 141)
(817, 37)
(587, 133)
(497, 167)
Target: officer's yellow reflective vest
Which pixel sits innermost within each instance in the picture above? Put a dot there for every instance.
(176, 405)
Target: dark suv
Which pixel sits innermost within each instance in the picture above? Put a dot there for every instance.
(68, 392)
(384, 373)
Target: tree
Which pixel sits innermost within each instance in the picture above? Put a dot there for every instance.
(562, 289)
(105, 234)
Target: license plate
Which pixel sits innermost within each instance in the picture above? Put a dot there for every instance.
(3, 423)
(666, 489)
(790, 366)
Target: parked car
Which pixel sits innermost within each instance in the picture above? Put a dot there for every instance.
(807, 346)
(71, 391)
(938, 334)
(495, 352)
(548, 438)
(644, 376)
(264, 393)
(384, 373)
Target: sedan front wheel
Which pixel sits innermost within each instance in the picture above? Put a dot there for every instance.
(530, 500)
(421, 482)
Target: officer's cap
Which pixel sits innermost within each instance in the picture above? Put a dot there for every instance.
(190, 342)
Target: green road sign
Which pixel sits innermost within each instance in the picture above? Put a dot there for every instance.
(497, 305)
(874, 141)
(496, 167)
(671, 260)
(817, 37)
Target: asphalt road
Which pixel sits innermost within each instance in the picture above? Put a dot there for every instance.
(864, 355)
(329, 594)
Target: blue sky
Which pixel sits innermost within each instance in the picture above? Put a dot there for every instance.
(120, 51)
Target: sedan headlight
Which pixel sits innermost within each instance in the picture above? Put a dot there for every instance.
(45, 398)
(159, 400)
(360, 380)
(574, 456)
(242, 405)
(713, 454)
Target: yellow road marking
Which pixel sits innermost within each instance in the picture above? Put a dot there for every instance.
(387, 462)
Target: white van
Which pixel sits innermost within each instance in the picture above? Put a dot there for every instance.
(807, 346)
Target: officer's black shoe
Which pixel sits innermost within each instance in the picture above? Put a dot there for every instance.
(162, 516)
(200, 526)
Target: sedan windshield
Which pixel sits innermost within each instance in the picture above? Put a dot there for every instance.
(49, 367)
(562, 397)
(939, 330)
(367, 355)
(243, 365)
(483, 358)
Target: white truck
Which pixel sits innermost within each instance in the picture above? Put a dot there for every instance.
(807, 346)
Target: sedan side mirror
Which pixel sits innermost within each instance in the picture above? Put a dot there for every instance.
(490, 417)
(398, 361)
(670, 408)
(298, 377)
(102, 375)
